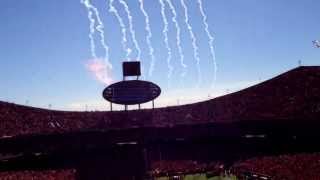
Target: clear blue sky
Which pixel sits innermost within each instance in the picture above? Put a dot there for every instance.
(44, 45)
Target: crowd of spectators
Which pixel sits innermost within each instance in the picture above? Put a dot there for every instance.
(69, 174)
(292, 95)
(280, 167)
(283, 167)
(183, 167)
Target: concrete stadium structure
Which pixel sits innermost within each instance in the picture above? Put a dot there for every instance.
(280, 115)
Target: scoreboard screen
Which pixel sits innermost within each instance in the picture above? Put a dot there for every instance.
(131, 92)
(131, 68)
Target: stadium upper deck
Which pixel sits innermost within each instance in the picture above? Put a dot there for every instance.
(289, 96)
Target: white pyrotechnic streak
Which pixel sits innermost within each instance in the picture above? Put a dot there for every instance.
(99, 27)
(132, 32)
(211, 39)
(194, 41)
(101, 70)
(178, 36)
(165, 34)
(124, 41)
(91, 34)
(148, 37)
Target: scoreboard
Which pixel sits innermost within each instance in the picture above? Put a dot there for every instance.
(131, 92)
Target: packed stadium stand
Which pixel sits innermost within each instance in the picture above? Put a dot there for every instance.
(266, 120)
(39, 175)
(292, 95)
(298, 166)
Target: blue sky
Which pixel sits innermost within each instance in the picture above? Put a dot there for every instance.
(45, 46)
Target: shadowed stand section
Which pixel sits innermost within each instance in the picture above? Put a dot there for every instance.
(125, 162)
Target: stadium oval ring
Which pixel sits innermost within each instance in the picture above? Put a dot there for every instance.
(131, 92)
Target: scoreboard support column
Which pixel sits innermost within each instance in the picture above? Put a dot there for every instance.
(152, 104)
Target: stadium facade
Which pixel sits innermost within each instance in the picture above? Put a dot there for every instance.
(280, 115)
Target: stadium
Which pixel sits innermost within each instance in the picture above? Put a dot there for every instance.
(159, 90)
(267, 131)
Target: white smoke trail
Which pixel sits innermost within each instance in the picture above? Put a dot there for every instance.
(178, 37)
(132, 32)
(148, 37)
(124, 41)
(99, 27)
(101, 70)
(194, 41)
(211, 39)
(165, 34)
(91, 34)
